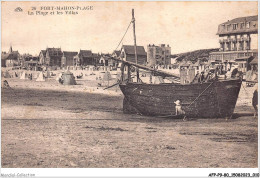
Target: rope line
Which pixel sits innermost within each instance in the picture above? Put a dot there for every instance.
(123, 35)
(200, 94)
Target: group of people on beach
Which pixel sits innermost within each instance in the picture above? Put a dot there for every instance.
(204, 77)
(212, 74)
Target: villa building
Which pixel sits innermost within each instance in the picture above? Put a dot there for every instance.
(158, 55)
(238, 43)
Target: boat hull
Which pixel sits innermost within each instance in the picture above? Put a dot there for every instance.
(206, 100)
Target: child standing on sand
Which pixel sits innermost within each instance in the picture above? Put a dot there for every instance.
(178, 108)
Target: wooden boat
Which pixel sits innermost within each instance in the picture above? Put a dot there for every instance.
(216, 98)
(208, 100)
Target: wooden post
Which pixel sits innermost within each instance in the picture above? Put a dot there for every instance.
(164, 59)
(128, 73)
(247, 65)
(136, 61)
(122, 72)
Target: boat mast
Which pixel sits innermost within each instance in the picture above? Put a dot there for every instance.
(133, 21)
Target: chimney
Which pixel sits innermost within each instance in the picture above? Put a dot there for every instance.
(11, 49)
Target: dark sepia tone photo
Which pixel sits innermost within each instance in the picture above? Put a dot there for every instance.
(129, 85)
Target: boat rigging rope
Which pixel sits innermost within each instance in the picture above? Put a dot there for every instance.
(200, 94)
(123, 35)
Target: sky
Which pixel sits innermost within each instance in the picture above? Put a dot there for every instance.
(185, 26)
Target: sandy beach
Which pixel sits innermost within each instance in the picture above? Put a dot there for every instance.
(48, 125)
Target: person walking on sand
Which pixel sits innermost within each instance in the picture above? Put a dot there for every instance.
(255, 101)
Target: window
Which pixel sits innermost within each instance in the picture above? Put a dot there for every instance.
(247, 24)
(223, 26)
(228, 27)
(228, 46)
(241, 46)
(247, 45)
(235, 26)
(242, 25)
(222, 46)
(234, 46)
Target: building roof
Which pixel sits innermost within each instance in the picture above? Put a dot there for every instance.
(30, 58)
(54, 51)
(95, 55)
(198, 63)
(43, 52)
(85, 53)
(130, 50)
(174, 56)
(4, 56)
(244, 58)
(13, 55)
(242, 19)
(253, 26)
(254, 61)
(103, 57)
(70, 53)
(117, 53)
(184, 64)
(31, 62)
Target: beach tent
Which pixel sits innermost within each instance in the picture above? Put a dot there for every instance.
(23, 76)
(119, 75)
(35, 75)
(4, 84)
(106, 76)
(68, 78)
(40, 78)
(7, 74)
(48, 74)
